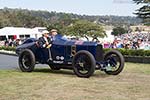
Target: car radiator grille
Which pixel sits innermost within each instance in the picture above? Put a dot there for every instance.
(99, 53)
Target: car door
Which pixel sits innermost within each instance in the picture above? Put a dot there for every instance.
(58, 52)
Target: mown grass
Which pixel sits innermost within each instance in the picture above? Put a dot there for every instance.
(44, 84)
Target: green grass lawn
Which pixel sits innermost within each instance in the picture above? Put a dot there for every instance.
(44, 84)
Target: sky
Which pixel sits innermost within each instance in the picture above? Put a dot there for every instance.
(87, 7)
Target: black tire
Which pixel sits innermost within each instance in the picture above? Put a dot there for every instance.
(114, 58)
(54, 67)
(83, 61)
(26, 61)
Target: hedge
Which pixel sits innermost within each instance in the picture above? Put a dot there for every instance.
(7, 48)
(132, 52)
(125, 52)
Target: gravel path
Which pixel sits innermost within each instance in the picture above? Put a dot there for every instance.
(8, 62)
(11, 62)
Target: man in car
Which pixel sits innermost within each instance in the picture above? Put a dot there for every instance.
(45, 43)
(53, 33)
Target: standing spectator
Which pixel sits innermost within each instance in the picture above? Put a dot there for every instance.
(119, 43)
(6, 42)
(10, 42)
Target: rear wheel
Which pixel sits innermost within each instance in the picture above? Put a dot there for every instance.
(114, 61)
(26, 61)
(83, 64)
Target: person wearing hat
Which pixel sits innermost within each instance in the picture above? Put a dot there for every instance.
(53, 33)
(45, 43)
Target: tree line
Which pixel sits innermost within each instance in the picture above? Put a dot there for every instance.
(31, 18)
(72, 23)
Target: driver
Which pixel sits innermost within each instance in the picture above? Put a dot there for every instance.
(53, 33)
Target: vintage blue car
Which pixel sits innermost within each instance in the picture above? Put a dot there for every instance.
(83, 57)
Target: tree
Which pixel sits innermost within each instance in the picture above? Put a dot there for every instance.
(28, 20)
(85, 28)
(60, 28)
(118, 31)
(137, 29)
(144, 11)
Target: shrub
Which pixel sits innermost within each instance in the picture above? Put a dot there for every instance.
(147, 52)
(8, 48)
(131, 52)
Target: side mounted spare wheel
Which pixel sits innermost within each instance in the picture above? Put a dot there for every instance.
(26, 61)
(83, 64)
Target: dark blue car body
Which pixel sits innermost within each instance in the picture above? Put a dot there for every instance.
(62, 50)
(81, 56)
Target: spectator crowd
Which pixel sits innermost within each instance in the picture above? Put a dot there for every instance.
(131, 41)
(12, 42)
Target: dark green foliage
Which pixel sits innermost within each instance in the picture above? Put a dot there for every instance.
(118, 31)
(19, 18)
(7, 48)
(31, 18)
(131, 52)
(144, 11)
(136, 52)
(83, 28)
(147, 52)
(124, 51)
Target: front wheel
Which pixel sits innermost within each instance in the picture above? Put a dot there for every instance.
(114, 62)
(83, 64)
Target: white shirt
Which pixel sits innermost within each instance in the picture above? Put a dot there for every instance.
(44, 45)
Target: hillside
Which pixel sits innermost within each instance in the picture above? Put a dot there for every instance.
(31, 18)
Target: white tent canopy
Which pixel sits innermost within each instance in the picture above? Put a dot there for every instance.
(33, 32)
(14, 31)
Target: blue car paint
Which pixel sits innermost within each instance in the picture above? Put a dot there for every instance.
(61, 48)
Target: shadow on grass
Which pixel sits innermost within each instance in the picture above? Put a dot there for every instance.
(100, 74)
(97, 74)
(44, 70)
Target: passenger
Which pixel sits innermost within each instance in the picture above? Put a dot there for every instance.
(45, 42)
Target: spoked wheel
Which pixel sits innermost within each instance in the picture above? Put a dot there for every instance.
(84, 64)
(26, 60)
(114, 62)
